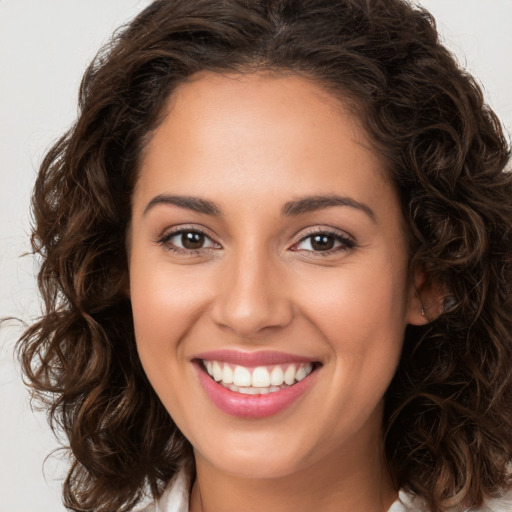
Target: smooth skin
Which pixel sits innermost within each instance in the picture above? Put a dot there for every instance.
(245, 272)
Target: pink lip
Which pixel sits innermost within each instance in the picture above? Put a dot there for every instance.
(262, 358)
(252, 406)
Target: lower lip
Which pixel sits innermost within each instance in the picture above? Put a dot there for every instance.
(252, 406)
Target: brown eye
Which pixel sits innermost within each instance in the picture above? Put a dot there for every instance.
(322, 242)
(187, 241)
(192, 240)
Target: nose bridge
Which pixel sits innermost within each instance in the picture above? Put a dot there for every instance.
(252, 295)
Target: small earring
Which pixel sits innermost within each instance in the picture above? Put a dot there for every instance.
(423, 312)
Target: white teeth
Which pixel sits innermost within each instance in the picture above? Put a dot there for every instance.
(217, 371)
(289, 375)
(277, 376)
(303, 372)
(256, 391)
(241, 376)
(248, 391)
(260, 377)
(257, 380)
(227, 374)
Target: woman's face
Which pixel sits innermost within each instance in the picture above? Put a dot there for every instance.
(267, 249)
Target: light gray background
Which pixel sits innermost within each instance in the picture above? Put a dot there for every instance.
(45, 46)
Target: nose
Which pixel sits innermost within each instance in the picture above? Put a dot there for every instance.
(252, 297)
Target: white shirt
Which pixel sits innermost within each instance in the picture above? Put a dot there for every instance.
(176, 499)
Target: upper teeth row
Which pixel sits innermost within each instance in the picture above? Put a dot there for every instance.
(260, 376)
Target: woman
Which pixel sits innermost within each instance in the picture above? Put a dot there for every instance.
(276, 266)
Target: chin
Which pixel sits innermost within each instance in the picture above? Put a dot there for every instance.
(258, 463)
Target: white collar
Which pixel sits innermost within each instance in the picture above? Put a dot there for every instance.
(176, 496)
(176, 499)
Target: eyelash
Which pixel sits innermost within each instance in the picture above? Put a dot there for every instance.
(164, 241)
(346, 243)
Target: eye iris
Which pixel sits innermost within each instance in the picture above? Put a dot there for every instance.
(322, 242)
(191, 240)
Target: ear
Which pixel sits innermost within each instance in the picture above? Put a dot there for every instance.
(426, 297)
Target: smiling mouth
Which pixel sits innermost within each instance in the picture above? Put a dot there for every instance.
(258, 380)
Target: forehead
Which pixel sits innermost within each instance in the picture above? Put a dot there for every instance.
(258, 135)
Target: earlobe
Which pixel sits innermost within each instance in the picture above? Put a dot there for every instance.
(425, 299)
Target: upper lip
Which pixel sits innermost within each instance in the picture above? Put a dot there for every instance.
(259, 358)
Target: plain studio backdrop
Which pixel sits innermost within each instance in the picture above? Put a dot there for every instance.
(45, 46)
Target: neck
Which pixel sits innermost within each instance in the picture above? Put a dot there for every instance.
(359, 482)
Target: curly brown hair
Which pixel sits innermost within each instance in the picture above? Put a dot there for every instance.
(448, 417)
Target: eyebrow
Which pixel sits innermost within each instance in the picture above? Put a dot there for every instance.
(291, 208)
(319, 202)
(190, 203)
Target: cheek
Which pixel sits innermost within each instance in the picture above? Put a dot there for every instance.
(166, 302)
(361, 313)
(357, 300)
